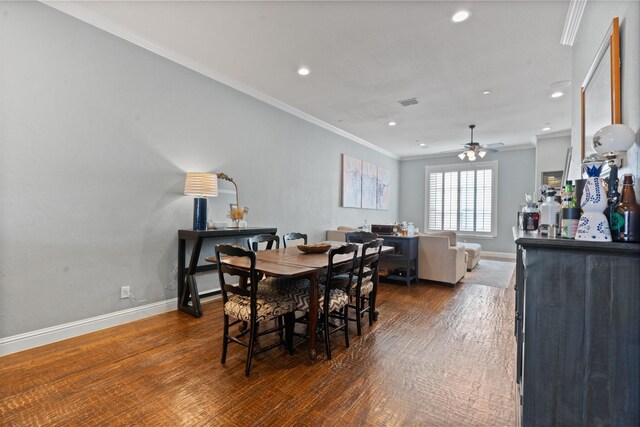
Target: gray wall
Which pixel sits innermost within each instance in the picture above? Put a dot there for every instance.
(96, 135)
(516, 170)
(595, 22)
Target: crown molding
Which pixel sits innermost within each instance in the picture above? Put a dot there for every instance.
(85, 15)
(572, 22)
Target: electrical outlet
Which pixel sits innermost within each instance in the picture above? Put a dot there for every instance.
(125, 292)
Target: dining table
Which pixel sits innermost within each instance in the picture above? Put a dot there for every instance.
(292, 263)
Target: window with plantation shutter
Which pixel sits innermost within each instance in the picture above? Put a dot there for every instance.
(462, 198)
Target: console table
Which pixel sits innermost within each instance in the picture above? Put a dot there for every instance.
(578, 332)
(405, 253)
(188, 296)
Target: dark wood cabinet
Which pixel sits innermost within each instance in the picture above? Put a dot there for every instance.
(578, 332)
(402, 262)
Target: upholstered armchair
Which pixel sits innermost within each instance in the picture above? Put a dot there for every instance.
(441, 258)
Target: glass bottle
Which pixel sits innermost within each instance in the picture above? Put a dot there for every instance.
(625, 219)
(567, 197)
(411, 230)
(530, 216)
(570, 213)
(550, 213)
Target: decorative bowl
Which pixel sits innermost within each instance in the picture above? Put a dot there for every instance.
(318, 248)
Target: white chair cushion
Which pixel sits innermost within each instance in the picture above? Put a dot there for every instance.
(367, 283)
(337, 299)
(365, 288)
(268, 306)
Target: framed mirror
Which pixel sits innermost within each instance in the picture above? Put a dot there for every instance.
(600, 92)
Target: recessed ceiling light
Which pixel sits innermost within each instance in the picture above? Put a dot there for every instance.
(557, 94)
(392, 123)
(461, 15)
(546, 128)
(486, 92)
(423, 145)
(303, 71)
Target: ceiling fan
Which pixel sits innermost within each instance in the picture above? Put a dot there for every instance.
(473, 150)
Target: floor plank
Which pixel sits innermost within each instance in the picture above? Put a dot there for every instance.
(436, 356)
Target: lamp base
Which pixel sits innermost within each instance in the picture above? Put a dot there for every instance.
(200, 213)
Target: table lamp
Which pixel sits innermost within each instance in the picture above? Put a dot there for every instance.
(201, 185)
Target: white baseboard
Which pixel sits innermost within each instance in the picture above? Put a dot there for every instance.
(506, 255)
(33, 339)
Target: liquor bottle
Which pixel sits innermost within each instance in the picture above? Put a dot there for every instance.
(549, 214)
(570, 213)
(530, 217)
(567, 197)
(625, 218)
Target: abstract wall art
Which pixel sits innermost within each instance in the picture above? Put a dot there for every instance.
(365, 185)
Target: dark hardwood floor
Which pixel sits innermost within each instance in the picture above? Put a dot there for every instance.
(436, 356)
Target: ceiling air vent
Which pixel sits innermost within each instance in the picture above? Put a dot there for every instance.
(407, 102)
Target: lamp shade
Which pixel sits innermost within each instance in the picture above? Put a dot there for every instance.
(201, 184)
(613, 138)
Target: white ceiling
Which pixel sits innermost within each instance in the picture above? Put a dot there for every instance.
(366, 56)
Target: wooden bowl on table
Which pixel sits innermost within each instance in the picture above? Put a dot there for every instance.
(317, 248)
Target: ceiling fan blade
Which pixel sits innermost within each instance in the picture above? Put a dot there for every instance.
(490, 146)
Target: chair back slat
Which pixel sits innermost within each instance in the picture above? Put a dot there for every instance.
(269, 239)
(247, 276)
(293, 236)
(370, 258)
(341, 268)
(360, 237)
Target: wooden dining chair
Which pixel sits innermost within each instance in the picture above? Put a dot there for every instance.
(364, 289)
(360, 237)
(272, 284)
(244, 303)
(293, 236)
(334, 295)
(269, 239)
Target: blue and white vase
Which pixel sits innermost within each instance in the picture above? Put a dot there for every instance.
(593, 224)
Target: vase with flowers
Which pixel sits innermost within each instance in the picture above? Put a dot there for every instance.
(237, 213)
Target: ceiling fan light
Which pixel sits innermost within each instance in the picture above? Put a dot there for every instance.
(472, 159)
(462, 155)
(482, 154)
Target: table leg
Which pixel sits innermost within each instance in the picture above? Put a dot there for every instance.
(313, 316)
(187, 278)
(374, 295)
(181, 276)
